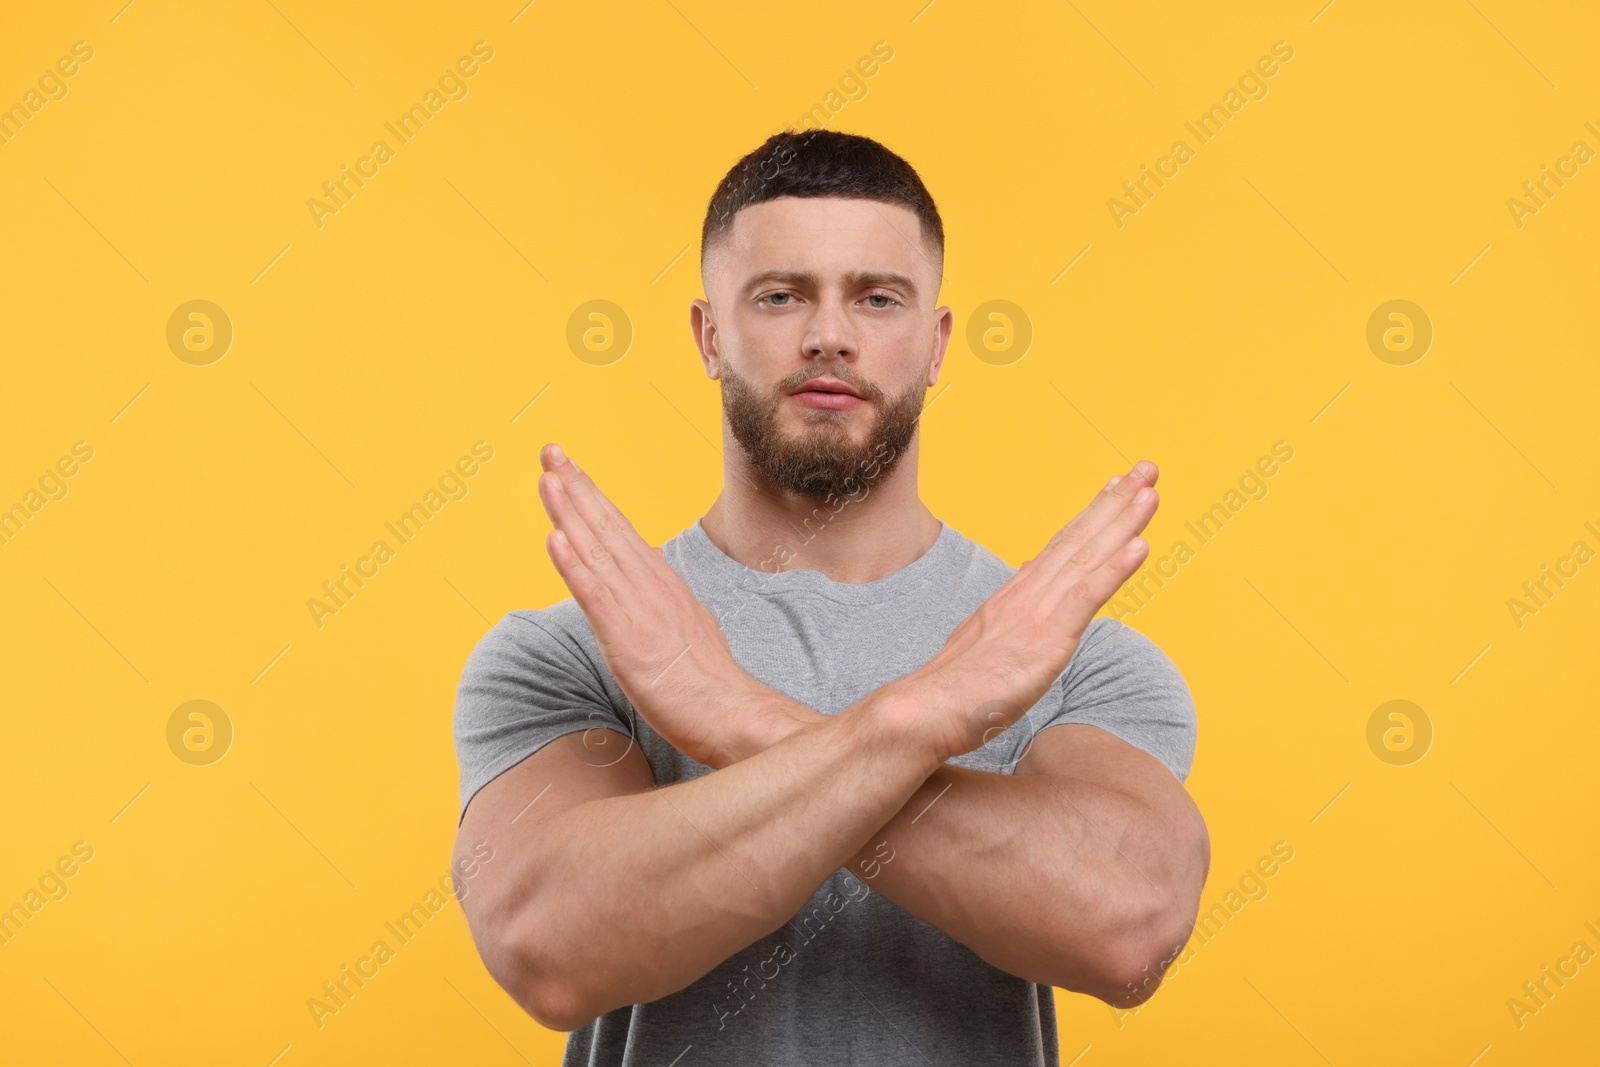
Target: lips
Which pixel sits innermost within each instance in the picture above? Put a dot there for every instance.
(828, 385)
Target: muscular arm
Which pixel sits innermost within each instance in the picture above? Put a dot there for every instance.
(1083, 870)
(616, 892)
(607, 891)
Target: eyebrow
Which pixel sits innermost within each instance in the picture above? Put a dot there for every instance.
(855, 279)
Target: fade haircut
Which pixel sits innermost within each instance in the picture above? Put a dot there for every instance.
(815, 163)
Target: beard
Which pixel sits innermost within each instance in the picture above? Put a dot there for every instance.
(823, 462)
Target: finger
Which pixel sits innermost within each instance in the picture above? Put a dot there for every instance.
(599, 604)
(578, 481)
(1085, 599)
(581, 540)
(1106, 505)
(556, 490)
(1107, 541)
(606, 523)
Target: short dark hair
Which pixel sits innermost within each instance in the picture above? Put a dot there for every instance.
(814, 163)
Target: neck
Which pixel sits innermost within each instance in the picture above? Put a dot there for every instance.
(881, 529)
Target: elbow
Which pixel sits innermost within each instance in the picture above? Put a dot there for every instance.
(551, 1003)
(1135, 975)
(1155, 927)
(554, 1010)
(1141, 951)
(533, 976)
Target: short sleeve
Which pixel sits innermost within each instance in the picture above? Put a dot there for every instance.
(528, 681)
(1121, 681)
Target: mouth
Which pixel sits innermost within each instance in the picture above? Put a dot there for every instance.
(826, 386)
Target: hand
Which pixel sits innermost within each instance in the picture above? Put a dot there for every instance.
(666, 649)
(1003, 658)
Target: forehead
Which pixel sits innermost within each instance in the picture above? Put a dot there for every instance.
(826, 235)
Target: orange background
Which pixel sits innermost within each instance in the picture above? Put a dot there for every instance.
(368, 353)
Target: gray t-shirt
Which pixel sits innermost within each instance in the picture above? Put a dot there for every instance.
(852, 978)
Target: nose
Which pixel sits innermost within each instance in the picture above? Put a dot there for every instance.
(830, 332)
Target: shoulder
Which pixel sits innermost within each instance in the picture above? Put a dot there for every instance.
(533, 677)
(563, 623)
(527, 644)
(1124, 682)
(1110, 649)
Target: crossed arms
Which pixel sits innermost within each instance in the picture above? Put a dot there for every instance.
(1083, 870)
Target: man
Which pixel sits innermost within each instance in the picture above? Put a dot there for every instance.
(834, 784)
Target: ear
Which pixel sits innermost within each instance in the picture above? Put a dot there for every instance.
(704, 329)
(941, 343)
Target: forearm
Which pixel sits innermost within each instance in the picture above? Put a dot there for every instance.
(642, 894)
(1059, 881)
(1047, 878)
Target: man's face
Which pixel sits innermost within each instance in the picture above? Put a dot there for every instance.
(807, 290)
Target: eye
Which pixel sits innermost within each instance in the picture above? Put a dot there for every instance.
(788, 297)
(882, 296)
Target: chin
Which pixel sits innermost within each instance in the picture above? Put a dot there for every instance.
(832, 424)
